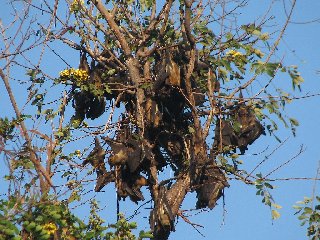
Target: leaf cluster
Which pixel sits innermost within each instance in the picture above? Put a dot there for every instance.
(309, 213)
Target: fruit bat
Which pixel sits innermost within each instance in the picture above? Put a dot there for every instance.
(161, 217)
(88, 105)
(153, 115)
(96, 159)
(129, 185)
(125, 153)
(199, 97)
(250, 128)
(83, 65)
(103, 180)
(173, 71)
(240, 130)
(173, 144)
(225, 136)
(211, 187)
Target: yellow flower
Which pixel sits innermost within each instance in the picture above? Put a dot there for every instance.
(234, 53)
(50, 228)
(65, 74)
(80, 75)
(76, 74)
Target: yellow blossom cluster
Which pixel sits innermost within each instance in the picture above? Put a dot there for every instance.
(75, 5)
(50, 228)
(234, 53)
(76, 74)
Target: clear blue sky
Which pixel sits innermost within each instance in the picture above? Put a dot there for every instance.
(246, 217)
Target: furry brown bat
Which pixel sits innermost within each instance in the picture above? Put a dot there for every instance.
(96, 159)
(125, 152)
(211, 187)
(161, 217)
(83, 65)
(225, 136)
(129, 185)
(173, 72)
(88, 105)
(250, 128)
(240, 130)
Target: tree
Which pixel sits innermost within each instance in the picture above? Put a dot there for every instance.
(178, 96)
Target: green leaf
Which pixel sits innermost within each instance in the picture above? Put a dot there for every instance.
(31, 226)
(38, 228)
(258, 112)
(295, 77)
(267, 201)
(229, 36)
(264, 36)
(271, 68)
(268, 185)
(143, 235)
(308, 210)
(297, 207)
(303, 223)
(111, 72)
(145, 4)
(74, 196)
(44, 237)
(294, 122)
(133, 225)
(259, 175)
(236, 126)
(277, 206)
(56, 216)
(32, 73)
(275, 214)
(25, 223)
(259, 53)
(256, 32)
(145, 85)
(302, 217)
(8, 232)
(234, 156)
(16, 238)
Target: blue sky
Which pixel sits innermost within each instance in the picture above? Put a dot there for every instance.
(245, 217)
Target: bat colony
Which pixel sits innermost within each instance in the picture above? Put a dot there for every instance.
(166, 140)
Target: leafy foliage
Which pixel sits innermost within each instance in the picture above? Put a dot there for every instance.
(48, 219)
(309, 213)
(263, 189)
